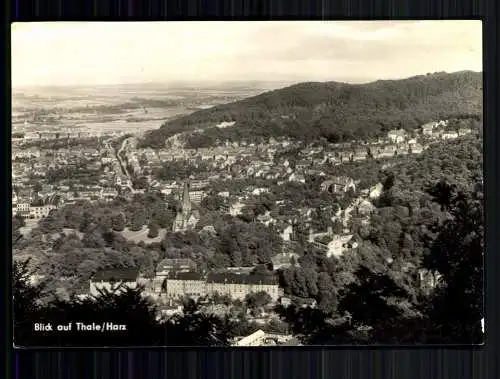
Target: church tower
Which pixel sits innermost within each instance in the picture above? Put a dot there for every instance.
(186, 202)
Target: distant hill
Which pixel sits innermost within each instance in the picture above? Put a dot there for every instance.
(331, 110)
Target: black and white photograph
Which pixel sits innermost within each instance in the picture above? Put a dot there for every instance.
(247, 184)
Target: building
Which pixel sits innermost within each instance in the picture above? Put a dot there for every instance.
(42, 211)
(397, 136)
(427, 280)
(261, 338)
(196, 196)
(299, 178)
(464, 131)
(416, 149)
(340, 244)
(234, 209)
(199, 184)
(234, 285)
(338, 184)
(23, 209)
(428, 129)
(254, 339)
(286, 232)
(449, 135)
(239, 286)
(187, 218)
(180, 284)
(112, 279)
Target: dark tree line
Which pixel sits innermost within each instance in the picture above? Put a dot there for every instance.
(122, 307)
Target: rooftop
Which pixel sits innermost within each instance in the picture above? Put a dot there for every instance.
(240, 279)
(185, 276)
(117, 275)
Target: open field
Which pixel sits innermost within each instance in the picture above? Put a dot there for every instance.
(142, 235)
(28, 227)
(129, 108)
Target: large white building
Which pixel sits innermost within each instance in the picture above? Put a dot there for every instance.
(236, 286)
(239, 286)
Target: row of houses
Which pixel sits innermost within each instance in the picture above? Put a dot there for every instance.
(32, 211)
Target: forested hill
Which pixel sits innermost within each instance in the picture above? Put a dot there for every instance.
(335, 111)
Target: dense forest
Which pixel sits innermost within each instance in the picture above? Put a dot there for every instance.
(334, 111)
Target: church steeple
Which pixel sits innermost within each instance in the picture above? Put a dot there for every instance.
(186, 202)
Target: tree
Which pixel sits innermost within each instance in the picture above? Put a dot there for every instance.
(118, 223)
(212, 203)
(326, 293)
(153, 230)
(18, 221)
(140, 182)
(25, 301)
(262, 270)
(457, 306)
(372, 299)
(121, 306)
(37, 187)
(257, 299)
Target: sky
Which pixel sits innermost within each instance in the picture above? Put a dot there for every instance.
(84, 53)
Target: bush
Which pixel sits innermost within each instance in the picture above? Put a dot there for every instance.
(153, 231)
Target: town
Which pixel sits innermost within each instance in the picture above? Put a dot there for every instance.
(101, 169)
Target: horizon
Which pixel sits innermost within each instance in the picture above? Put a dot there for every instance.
(110, 54)
(186, 84)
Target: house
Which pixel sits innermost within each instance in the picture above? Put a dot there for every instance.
(427, 129)
(23, 209)
(339, 245)
(464, 131)
(427, 280)
(449, 135)
(397, 136)
(235, 208)
(338, 185)
(299, 178)
(416, 149)
(38, 212)
(359, 155)
(196, 196)
(286, 232)
(255, 339)
(114, 279)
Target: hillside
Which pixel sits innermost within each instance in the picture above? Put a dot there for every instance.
(331, 110)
